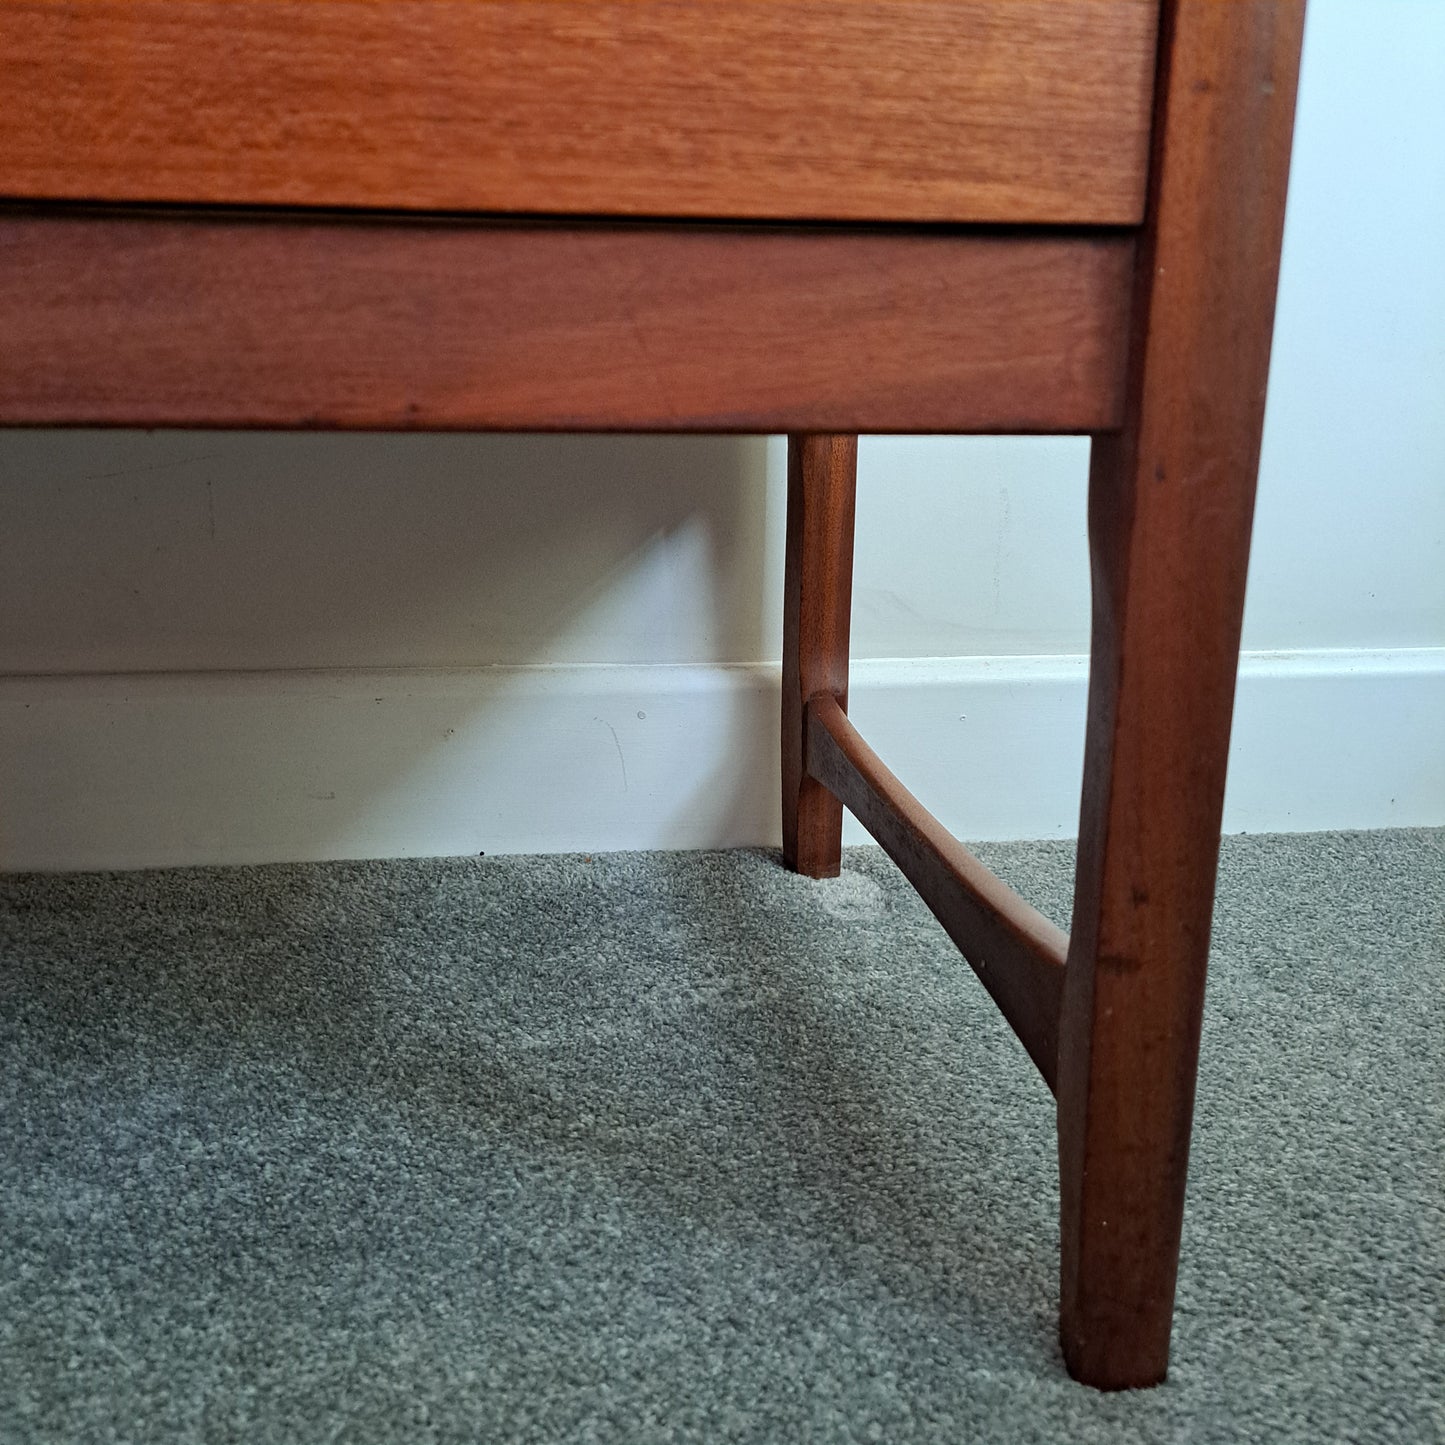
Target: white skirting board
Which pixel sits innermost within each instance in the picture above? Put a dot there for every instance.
(137, 770)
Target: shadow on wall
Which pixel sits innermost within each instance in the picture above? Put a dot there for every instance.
(237, 553)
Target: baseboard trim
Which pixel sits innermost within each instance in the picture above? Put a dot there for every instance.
(137, 770)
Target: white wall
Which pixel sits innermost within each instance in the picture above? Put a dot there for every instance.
(418, 574)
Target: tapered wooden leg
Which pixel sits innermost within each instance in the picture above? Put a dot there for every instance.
(1161, 691)
(1170, 504)
(818, 595)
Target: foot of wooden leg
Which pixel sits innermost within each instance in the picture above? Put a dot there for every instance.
(818, 591)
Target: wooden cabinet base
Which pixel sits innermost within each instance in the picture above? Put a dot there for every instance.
(1114, 1024)
(1150, 335)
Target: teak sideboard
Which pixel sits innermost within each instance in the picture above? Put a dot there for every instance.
(818, 217)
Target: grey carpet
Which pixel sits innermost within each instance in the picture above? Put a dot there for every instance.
(682, 1147)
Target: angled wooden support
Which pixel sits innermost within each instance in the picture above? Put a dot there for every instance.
(1014, 949)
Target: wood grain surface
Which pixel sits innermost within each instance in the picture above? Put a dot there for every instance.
(415, 325)
(1017, 953)
(941, 110)
(1170, 503)
(817, 617)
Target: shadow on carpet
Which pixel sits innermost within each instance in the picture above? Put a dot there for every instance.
(653, 1147)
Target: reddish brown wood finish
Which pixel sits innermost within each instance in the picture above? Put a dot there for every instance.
(1171, 497)
(988, 110)
(817, 606)
(914, 110)
(147, 321)
(1014, 949)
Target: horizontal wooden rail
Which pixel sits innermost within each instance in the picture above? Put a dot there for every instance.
(1014, 949)
(277, 321)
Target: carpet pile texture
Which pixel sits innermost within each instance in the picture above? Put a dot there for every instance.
(681, 1147)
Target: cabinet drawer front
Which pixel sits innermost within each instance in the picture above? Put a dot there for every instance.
(952, 110)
